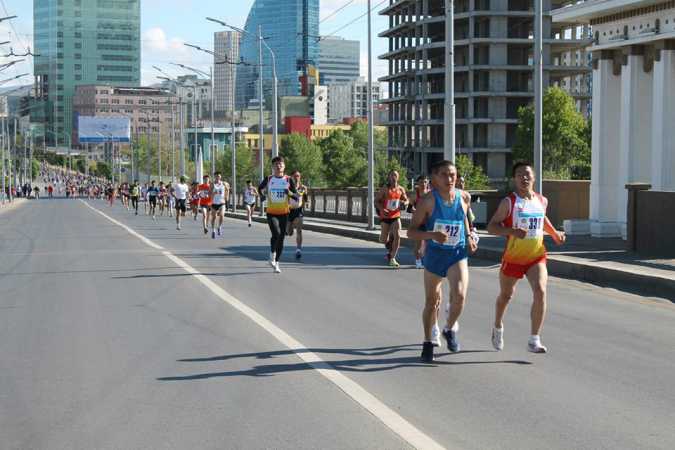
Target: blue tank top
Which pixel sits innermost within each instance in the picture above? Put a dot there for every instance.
(449, 219)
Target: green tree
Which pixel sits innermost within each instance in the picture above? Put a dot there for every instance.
(566, 137)
(103, 170)
(81, 165)
(474, 177)
(35, 168)
(343, 164)
(246, 167)
(302, 154)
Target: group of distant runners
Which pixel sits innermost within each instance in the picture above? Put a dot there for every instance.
(442, 227)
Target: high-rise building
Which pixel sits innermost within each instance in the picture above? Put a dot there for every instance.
(82, 42)
(350, 100)
(338, 60)
(291, 30)
(494, 68)
(226, 48)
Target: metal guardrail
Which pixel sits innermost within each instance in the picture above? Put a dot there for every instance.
(351, 205)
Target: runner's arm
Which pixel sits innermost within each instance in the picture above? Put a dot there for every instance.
(496, 226)
(416, 229)
(473, 246)
(379, 200)
(263, 185)
(558, 236)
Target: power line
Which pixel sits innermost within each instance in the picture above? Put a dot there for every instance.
(353, 21)
(334, 13)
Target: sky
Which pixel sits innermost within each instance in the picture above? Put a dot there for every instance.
(167, 24)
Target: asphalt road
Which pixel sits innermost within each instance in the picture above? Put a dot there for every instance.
(107, 342)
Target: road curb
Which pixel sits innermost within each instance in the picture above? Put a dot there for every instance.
(595, 273)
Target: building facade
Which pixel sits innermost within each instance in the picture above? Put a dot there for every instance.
(339, 60)
(494, 70)
(633, 103)
(349, 100)
(291, 29)
(152, 112)
(79, 43)
(226, 48)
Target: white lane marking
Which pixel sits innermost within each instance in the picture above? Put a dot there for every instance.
(407, 431)
(145, 240)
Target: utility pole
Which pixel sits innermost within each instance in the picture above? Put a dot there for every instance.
(213, 118)
(371, 141)
(173, 144)
(181, 149)
(538, 93)
(261, 125)
(449, 105)
(159, 148)
(233, 138)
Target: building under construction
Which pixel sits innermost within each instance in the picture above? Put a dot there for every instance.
(494, 69)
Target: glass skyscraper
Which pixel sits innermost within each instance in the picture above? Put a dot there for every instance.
(82, 42)
(338, 60)
(291, 29)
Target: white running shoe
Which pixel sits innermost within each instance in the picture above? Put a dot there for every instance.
(418, 264)
(277, 269)
(498, 338)
(436, 335)
(535, 346)
(273, 259)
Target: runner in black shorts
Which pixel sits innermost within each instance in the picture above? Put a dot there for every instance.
(295, 217)
(180, 193)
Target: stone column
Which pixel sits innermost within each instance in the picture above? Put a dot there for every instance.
(605, 151)
(635, 163)
(663, 125)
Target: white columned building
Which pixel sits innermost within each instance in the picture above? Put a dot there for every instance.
(633, 105)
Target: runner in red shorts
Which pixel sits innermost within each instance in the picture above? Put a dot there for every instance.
(521, 217)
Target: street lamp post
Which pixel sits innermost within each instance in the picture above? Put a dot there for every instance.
(371, 140)
(228, 60)
(275, 131)
(538, 93)
(449, 105)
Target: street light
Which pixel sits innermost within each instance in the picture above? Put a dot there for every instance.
(213, 105)
(194, 94)
(168, 78)
(275, 131)
(233, 138)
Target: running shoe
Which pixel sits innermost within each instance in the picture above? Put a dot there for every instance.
(418, 264)
(277, 269)
(427, 353)
(213, 234)
(298, 254)
(436, 335)
(178, 227)
(273, 259)
(206, 231)
(498, 338)
(393, 263)
(535, 346)
(451, 339)
(249, 225)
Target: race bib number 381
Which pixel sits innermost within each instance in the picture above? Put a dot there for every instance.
(532, 223)
(454, 230)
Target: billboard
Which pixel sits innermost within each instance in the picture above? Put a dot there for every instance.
(97, 130)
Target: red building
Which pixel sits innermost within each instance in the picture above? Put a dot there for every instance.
(299, 124)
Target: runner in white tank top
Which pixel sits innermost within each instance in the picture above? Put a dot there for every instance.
(250, 197)
(220, 191)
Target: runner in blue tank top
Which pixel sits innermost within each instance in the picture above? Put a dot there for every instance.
(441, 220)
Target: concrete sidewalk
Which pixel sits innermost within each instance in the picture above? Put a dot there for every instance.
(605, 262)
